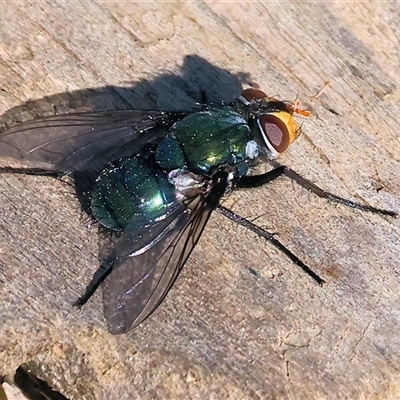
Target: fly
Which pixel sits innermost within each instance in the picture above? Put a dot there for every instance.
(151, 179)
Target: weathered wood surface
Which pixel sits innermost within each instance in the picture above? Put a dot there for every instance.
(222, 332)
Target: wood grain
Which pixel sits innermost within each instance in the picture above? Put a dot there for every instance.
(222, 332)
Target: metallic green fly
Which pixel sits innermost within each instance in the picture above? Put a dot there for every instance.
(152, 178)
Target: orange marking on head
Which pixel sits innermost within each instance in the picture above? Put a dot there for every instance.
(296, 109)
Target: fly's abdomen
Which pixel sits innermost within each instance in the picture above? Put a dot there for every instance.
(214, 137)
(131, 190)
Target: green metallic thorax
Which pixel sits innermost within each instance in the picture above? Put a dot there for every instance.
(205, 140)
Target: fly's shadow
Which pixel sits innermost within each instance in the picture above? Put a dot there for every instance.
(197, 81)
(166, 91)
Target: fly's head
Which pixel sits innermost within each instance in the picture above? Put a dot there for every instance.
(272, 121)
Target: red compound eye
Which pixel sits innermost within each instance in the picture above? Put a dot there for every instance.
(275, 131)
(253, 94)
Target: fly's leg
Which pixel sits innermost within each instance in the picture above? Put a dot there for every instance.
(98, 278)
(83, 181)
(106, 265)
(262, 179)
(30, 171)
(107, 241)
(80, 178)
(271, 238)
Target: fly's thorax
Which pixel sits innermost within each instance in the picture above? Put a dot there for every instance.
(271, 121)
(215, 137)
(131, 190)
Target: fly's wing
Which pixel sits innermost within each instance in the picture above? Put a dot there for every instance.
(143, 271)
(83, 142)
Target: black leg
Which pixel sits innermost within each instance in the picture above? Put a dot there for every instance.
(259, 180)
(98, 278)
(107, 244)
(271, 238)
(30, 171)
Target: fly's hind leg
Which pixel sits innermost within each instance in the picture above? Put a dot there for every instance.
(270, 237)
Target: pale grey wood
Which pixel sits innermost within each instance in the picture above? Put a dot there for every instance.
(221, 332)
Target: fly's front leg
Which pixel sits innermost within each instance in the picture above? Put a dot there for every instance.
(262, 179)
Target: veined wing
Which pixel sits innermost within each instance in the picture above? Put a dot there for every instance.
(144, 272)
(83, 142)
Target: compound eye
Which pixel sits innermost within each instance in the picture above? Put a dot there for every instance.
(275, 132)
(253, 94)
